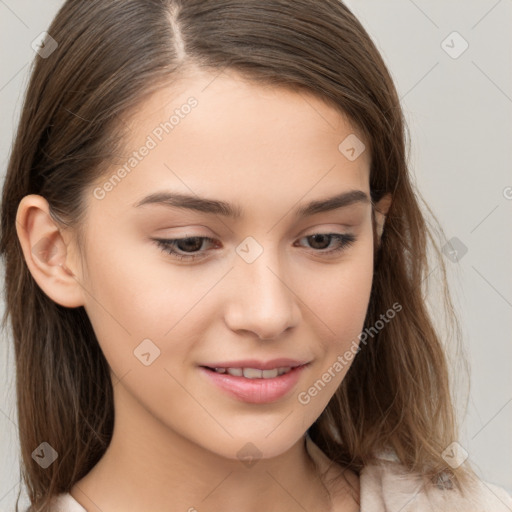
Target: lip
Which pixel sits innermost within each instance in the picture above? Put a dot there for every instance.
(254, 363)
(255, 391)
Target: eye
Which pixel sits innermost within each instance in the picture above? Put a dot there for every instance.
(183, 244)
(189, 248)
(324, 241)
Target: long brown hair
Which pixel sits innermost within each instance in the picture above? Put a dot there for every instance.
(110, 56)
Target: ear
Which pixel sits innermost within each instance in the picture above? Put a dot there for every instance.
(46, 253)
(381, 209)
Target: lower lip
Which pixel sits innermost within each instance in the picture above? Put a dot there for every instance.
(256, 391)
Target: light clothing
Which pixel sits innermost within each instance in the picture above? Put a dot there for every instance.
(386, 487)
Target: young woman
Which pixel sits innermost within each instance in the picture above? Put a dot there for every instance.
(214, 266)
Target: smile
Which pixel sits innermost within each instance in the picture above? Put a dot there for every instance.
(254, 373)
(254, 385)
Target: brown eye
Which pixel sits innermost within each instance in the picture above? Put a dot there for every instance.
(189, 244)
(184, 245)
(321, 241)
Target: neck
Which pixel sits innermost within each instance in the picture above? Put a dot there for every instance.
(149, 467)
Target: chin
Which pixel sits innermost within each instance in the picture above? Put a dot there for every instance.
(263, 444)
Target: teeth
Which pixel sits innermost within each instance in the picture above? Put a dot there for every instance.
(254, 373)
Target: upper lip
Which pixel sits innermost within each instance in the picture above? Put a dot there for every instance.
(260, 365)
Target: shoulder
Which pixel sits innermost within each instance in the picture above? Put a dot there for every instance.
(388, 486)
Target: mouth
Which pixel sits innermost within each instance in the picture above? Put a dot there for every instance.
(249, 382)
(252, 373)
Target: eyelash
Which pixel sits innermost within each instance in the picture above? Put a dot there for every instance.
(167, 245)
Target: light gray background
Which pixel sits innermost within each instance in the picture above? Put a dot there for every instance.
(459, 112)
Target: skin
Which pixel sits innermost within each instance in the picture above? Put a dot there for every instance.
(176, 436)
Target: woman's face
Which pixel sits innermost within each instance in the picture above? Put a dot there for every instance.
(263, 293)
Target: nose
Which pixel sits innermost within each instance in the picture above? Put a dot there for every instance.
(261, 298)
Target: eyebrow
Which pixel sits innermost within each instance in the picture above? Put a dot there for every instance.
(234, 211)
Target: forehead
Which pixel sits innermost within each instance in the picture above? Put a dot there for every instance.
(222, 136)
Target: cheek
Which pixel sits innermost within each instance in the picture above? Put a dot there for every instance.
(124, 300)
(140, 304)
(340, 301)
(339, 296)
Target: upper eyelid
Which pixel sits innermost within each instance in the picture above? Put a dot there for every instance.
(346, 228)
(215, 239)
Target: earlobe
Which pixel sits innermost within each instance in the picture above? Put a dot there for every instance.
(46, 252)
